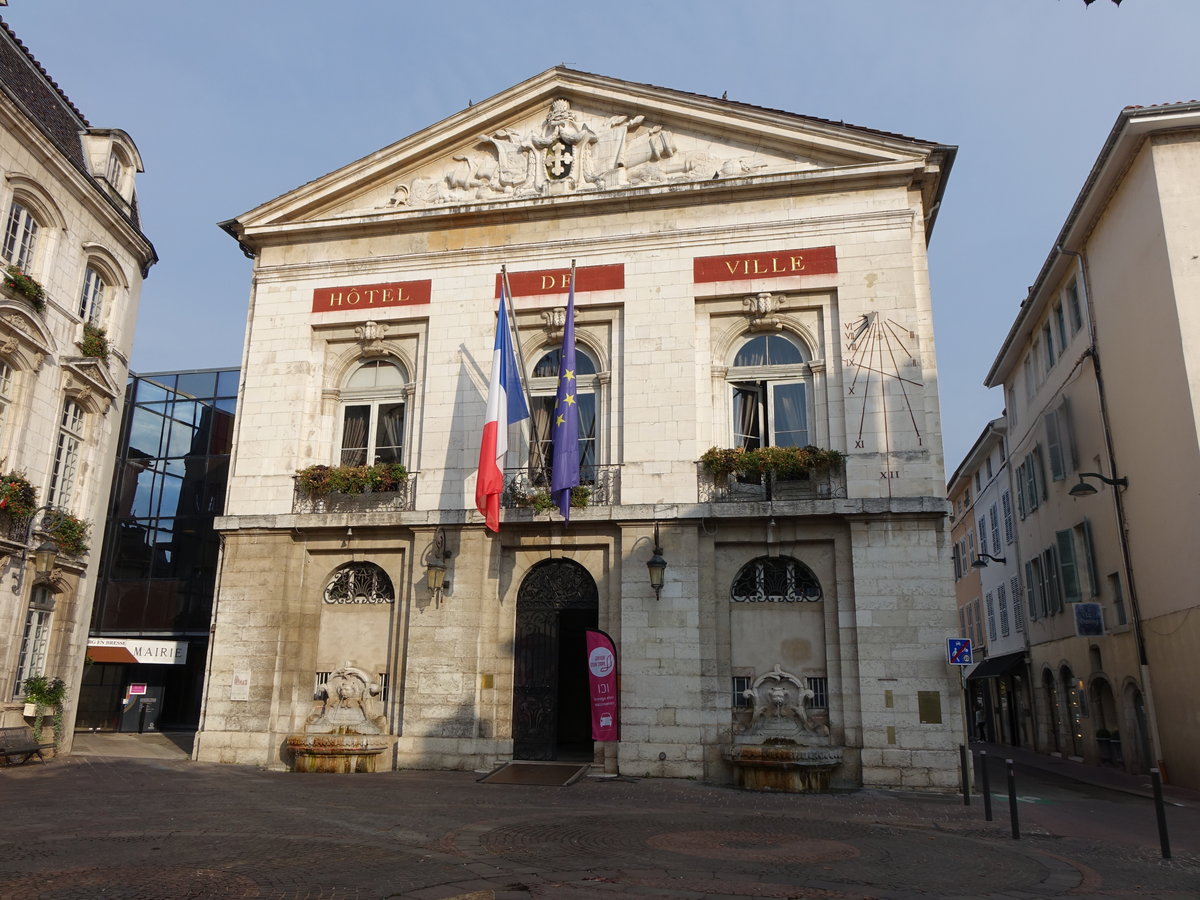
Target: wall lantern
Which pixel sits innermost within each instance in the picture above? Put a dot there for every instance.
(44, 558)
(657, 566)
(1083, 489)
(435, 563)
(981, 561)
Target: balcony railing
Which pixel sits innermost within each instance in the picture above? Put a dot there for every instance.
(402, 497)
(816, 485)
(522, 486)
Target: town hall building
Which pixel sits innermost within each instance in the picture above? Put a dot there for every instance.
(758, 417)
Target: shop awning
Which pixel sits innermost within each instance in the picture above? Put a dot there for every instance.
(997, 665)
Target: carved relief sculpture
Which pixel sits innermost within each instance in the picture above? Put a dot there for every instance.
(566, 154)
(780, 701)
(347, 705)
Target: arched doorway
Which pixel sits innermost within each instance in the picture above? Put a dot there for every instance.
(556, 604)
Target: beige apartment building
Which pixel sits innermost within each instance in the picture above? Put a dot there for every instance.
(746, 279)
(989, 591)
(66, 329)
(1099, 374)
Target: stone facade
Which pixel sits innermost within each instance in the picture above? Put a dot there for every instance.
(68, 199)
(735, 266)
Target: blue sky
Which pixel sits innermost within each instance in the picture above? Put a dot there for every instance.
(232, 103)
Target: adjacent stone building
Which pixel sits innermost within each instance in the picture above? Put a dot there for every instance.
(747, 278)
(75, 257)
(1099, 375)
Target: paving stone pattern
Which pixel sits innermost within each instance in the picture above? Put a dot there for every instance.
(88, 827)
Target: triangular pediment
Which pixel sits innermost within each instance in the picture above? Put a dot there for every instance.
(569, 134)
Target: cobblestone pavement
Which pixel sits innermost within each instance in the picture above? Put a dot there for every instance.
(88, 827)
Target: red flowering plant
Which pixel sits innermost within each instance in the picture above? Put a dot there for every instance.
(29, 288)
(18, 498)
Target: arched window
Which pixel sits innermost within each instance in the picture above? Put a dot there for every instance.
(35, 638)
(775, 579)
(66, 455)
(543, 385)
(91, 300)
(771, 393)
(20, 237)
(361, 582)
(373, 414)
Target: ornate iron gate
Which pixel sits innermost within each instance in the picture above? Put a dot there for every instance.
(550, 587)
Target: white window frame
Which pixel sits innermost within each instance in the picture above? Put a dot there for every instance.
(65, 465)
(374, 398)
(91, 296)
(20, 237)
(35, 639)
(546, 386)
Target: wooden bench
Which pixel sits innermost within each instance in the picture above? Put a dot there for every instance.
(18, 742)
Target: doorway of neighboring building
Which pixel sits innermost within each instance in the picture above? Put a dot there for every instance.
(556, 604)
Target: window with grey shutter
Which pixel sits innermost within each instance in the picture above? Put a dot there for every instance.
(1089, 557)
(1006, 501)
(1054, 448)
(1068, 570)
(1018, 612)
(994, 515)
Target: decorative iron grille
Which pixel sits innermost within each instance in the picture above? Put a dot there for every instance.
(360, 583)
(770, 579)
(740, 489)
(402, 497)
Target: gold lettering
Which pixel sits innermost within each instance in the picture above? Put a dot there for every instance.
(386, 298)
(400, 298)
(775, 264)
(353, 294)
(733, 266)
(371, 296)
(566, 280)
(798, 264)
(758, 267)
(547, 282)
(335, 299)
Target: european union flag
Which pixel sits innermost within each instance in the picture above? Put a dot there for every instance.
(564, 428)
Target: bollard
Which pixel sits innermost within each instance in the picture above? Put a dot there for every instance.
(1163, 841)
(966, 780)
(987, 789)
(1012, 800)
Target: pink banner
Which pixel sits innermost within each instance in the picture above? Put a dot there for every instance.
(602, 680)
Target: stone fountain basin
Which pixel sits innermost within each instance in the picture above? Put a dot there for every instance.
(339, 753)
(792, 768)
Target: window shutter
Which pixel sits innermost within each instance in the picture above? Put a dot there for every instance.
(1089, 557)
(1054, 446)
(1068, 570)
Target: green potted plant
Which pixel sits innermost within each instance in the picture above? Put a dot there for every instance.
(45, 694)
(581, 496)
(95, 342)
(27, 287)
(318, 480)
(69, 532)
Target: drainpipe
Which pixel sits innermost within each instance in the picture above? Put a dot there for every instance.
(1122, 521)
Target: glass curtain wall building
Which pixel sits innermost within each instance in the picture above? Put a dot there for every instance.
(150, 620)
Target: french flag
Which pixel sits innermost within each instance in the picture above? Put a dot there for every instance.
(505, 406)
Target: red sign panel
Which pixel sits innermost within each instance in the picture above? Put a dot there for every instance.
(602, 682)
(556, 281)
(776, 264)
(371, 296)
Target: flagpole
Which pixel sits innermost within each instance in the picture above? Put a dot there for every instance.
(516, 335)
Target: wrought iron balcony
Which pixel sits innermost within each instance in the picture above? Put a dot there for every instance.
(813, 485)
(529, 487)
(401, 497)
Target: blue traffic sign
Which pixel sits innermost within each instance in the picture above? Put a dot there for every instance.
(958, 651)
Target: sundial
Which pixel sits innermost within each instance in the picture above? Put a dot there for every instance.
(879, 350)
